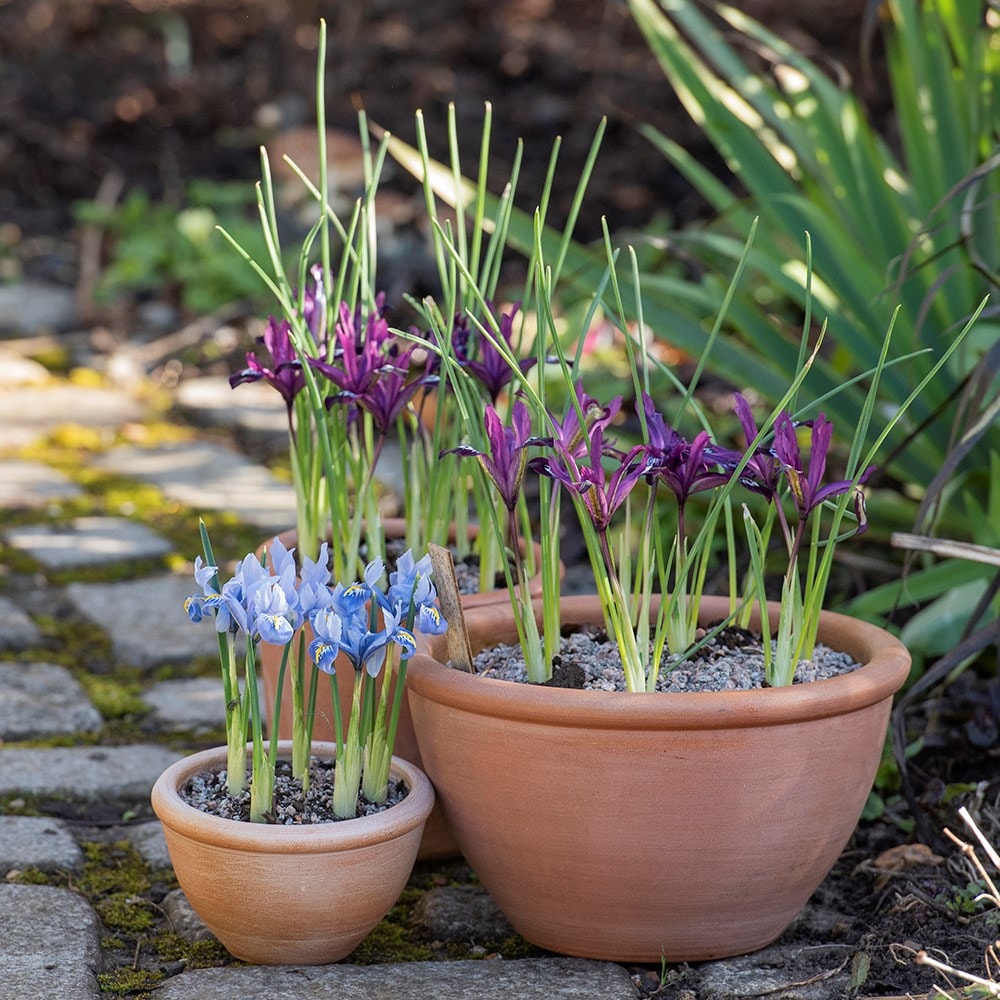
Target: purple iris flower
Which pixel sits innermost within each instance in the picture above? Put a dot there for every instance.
(507, 459)
(806, 484)
(762, 472)
(286, 375)
(601, 495)
(569, 435)
(314, 305)
(358, 353)
(684, 467)
(392, 390)
(458, 343)
(491, 368)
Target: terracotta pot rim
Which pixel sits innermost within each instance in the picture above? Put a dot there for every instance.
(306, 839)
(885, 666)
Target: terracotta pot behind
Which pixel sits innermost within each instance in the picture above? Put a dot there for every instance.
(280, 895)
(631, 827)
(438, 842)
(270, 656)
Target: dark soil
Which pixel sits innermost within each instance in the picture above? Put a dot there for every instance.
(100, 97)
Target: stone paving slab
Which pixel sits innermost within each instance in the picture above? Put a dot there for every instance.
(49, 944)
(255, 411)
(148, 840)
(149, 626)
(18, 630)
(89, 541)
(31, 412)
(37, 842)
(84, 773)
(207, 476)
(42, 699)
(33, 484)
(773, 971)
(523, 979)
(193, 704)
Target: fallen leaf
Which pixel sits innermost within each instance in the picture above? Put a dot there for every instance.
(905, 856)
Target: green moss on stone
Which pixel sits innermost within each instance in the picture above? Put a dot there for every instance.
(55, 358)
(125, 911)
(75, 642)
(18, 804)
(33, 876)
(392, 940)
(112, 868)
(127, 980)
(115, 697)
(172, 947)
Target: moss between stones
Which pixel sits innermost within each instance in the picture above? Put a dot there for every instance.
(32, 876)
(74, 642)
(171, 947)
(117, 696)
(125, 980)
(395, 938)
(114, 867)
(19, 804)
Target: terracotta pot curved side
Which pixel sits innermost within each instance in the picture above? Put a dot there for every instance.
(281, 895)
(627, 827)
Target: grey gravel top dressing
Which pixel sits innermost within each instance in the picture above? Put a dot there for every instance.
(733, 660)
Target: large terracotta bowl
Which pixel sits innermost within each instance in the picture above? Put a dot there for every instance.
(638, 827)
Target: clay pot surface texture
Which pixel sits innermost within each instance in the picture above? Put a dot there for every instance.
(438, 842)
(635, 827)
(290, 895)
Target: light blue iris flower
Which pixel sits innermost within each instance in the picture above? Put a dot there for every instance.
(429, 620)
(411, 581)
(314, 593)
(323, 650)
(366, 648)
(411, 588)
(253, 601)
(269, 604)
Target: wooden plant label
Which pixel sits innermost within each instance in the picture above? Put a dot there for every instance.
(459, 648)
